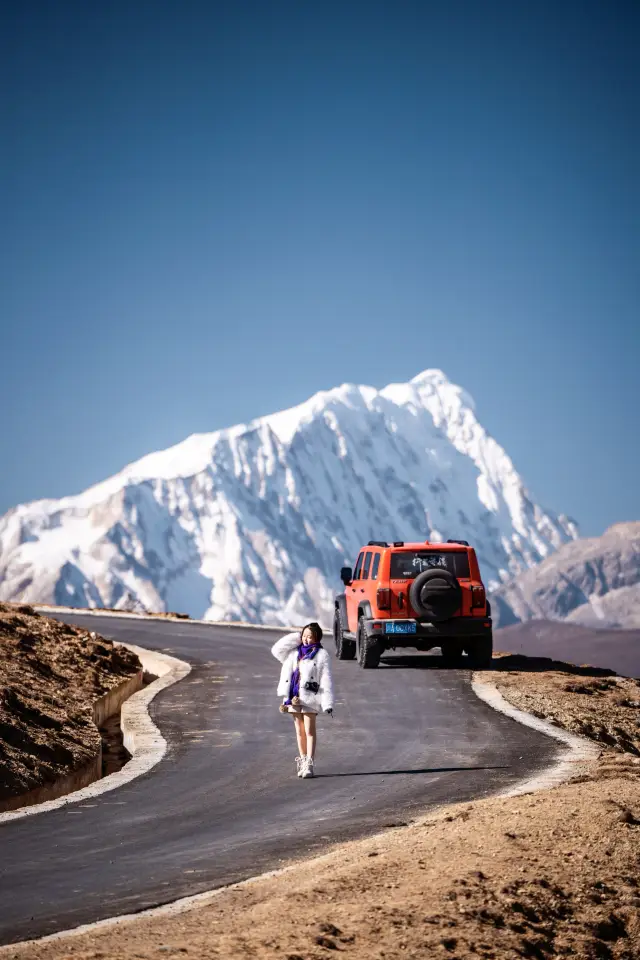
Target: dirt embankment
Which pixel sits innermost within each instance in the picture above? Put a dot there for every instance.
(548, 875)
(588, 701)
(51, 674)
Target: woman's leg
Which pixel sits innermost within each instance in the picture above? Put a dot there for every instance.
(310, 731)
(301, 734)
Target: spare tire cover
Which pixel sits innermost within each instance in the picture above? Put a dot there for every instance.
(435, 595)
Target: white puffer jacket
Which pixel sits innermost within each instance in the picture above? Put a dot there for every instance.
(319, 669)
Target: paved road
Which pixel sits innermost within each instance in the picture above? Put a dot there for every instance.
(224, 803)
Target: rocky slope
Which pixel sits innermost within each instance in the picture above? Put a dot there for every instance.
(592, 582)
(50, 676)
(255, 521)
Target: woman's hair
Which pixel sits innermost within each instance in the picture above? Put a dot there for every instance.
(315, 629)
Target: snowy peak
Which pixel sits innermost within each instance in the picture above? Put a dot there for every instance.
(287, 423)
(254, 521)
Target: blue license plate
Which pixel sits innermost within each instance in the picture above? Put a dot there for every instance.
(392, 627)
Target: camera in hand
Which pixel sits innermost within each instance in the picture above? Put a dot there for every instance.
(312, 685)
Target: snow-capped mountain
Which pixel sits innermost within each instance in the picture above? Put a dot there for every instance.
(254, 522)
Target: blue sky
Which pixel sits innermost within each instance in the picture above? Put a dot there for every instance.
(212, 210)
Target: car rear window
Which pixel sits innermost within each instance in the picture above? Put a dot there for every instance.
(409, 563)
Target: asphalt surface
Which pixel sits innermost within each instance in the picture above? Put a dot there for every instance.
(225, 804)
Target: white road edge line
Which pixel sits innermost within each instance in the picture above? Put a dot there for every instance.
(141, 737)
(580, 751)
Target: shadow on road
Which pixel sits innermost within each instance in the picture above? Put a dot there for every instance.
(390, 773)
(518, 661)
(424, 661)
(500, 663)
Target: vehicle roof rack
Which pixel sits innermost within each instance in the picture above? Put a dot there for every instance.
(377, 543)
(465, 543)
(398, 543)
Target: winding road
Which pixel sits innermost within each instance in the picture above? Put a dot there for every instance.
(225, 804)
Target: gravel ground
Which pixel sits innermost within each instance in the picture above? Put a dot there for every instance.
(550, 874)
(50, 676)
(589, 701)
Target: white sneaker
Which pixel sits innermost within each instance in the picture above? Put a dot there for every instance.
(300, 765)
(307, 768)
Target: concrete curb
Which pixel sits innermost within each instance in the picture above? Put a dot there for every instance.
(111, 701)
(142, 738)
(580, 751)
(103, 708)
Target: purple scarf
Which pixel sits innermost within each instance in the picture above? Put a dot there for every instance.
(306, 651)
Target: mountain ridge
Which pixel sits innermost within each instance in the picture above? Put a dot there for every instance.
(253, 521)
(594, 582)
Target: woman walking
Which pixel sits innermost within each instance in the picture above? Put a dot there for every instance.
(306, 685)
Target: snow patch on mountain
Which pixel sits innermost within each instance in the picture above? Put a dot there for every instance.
(254, 522)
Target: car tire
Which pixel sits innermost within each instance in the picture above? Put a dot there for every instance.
(480, 651)
(345, 649)
(369, 650)
(452, 651)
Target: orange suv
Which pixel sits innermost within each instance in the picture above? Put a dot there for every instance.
(420, 595)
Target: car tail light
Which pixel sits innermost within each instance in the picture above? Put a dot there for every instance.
(383, 598)
(478, 598)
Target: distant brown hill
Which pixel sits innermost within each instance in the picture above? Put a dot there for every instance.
(594, 582)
